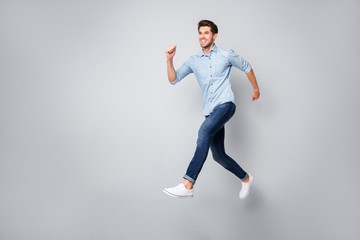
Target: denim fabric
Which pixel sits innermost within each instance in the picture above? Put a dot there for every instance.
(213, 75)
(211, 135)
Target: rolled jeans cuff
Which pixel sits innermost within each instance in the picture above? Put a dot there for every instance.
(189, 178)
(243, 179)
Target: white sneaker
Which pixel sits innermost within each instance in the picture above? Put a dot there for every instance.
(245, 189)
(180, 191)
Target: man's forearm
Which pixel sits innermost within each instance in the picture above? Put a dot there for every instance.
(171, 71)
(252, 79)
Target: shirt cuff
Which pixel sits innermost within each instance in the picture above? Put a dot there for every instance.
(248, 69)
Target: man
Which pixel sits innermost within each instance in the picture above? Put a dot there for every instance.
(212, 68)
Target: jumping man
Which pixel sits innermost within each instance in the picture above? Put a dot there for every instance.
(212, 69)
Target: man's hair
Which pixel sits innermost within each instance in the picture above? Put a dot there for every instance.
(208, 23)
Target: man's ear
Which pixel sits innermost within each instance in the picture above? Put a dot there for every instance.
(215, 36)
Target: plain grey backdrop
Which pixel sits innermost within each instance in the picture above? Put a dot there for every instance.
(91, 131)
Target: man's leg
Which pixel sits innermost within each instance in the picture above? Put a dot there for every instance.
(212, 124)
(219, 155)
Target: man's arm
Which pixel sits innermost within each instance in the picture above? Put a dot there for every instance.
(252, 78)
(245, 66)
(170, 52)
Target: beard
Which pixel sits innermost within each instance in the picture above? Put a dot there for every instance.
(208, 45)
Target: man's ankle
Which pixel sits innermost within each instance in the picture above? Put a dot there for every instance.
(246, 179)
(188, 185)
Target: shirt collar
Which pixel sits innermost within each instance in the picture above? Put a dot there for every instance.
(214, 49)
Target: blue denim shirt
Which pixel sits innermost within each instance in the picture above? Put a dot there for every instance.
(213, 75)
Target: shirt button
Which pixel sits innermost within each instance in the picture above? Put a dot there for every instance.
(210, 75)
(210, 66)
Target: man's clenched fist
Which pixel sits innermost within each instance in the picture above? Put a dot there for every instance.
(170, 51)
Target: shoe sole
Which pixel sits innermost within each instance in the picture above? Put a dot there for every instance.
(177, 196)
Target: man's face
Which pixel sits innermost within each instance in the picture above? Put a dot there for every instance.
(206, 37)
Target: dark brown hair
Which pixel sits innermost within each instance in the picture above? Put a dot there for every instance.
(208, 23)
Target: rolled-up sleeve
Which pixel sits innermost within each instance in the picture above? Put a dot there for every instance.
(182, 72)
(239, 62)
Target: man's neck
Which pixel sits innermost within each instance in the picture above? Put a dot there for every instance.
(207, 50)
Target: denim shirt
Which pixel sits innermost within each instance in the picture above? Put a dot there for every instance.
(213, 75)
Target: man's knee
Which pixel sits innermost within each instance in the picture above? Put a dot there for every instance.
(216, 153)
(216, 156)
(203, 134)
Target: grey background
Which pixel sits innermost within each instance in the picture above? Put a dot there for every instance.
(91, 131)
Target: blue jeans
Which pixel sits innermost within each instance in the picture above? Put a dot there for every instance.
(211, 135)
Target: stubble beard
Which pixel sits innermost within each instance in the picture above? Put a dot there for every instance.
(208, 45)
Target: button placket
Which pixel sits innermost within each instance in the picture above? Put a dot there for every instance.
(211, 83)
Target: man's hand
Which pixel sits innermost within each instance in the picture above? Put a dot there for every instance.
(256, 94)
(170, 52)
